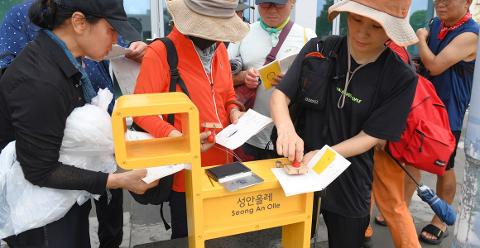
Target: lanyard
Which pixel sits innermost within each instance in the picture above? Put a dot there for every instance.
(349, 77)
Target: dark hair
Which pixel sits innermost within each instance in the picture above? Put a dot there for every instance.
(49, 15)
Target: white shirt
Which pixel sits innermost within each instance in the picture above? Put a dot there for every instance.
(253, 50)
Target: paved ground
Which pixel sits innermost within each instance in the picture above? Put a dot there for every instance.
(143, 228)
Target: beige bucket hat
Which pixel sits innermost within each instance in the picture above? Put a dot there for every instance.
(391, 14)
(208, 19)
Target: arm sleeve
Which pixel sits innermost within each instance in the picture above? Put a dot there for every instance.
(234, 50)
(231, 96)
(152, 79)
(289, 85)
(39, 116)
(388, 120)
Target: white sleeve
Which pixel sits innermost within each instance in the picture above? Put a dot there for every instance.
(234, 50)
(310, 33)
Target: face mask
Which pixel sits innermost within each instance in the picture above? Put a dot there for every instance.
(202, 43)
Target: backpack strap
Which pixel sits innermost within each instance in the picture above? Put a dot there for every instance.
(330, 46)
(272, 55)
(175, 77)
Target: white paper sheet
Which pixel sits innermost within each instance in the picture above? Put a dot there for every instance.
(248, 125)
(117, 51)
(155, 173)
(286, 62)
(311, 181)
(126, 71)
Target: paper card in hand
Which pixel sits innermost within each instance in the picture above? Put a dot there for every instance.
(270, 71)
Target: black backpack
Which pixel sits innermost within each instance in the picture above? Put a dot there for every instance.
(161, 193)
(318, 69)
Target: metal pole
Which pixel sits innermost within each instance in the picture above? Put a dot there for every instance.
(467, 228)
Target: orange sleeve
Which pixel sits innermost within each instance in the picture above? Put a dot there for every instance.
(153, 78)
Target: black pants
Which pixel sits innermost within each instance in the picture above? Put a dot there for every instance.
(110, 226)
(70, 231)
(344, 232)
(451, 162)
(110, 219)
(178, 213)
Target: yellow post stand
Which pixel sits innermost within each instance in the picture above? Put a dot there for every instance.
(212, 211)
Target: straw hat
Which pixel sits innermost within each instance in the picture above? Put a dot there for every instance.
(391, 14)
(208, 19)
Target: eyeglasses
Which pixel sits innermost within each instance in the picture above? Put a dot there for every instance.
(269, 5)
(444, 2)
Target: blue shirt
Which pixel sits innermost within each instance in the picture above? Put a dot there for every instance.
(17, 31)
(453, 86)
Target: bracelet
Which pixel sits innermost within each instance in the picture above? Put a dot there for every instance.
(240, 106)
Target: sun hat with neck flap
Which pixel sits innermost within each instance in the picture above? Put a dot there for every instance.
(208, 19)
(392, 15)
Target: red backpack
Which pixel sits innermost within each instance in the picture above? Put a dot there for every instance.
(427, 141)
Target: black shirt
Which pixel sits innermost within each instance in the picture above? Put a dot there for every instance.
(38, 92)
(378, 100)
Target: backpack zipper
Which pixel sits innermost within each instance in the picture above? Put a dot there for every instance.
(422, 137)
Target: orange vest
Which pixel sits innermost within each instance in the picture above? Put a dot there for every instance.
(209, 93)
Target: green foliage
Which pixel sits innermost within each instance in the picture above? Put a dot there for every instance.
(5, 6)
(419, 19)
(324, 27)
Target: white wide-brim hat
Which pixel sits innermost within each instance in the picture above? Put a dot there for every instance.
(208, 19)
(392, 15)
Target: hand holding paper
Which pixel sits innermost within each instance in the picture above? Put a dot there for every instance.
(117, 51)
(247, 126)
(325, 166)
(270, 72)
(155, 173)
(126, 71)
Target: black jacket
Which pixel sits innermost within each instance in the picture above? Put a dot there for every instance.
(38, 92)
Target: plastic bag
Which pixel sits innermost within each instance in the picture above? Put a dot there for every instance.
(87, 144)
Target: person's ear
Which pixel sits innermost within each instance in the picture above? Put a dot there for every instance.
(468, 3)
(79, 22)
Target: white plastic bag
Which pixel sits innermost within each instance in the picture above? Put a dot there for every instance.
(87, 144)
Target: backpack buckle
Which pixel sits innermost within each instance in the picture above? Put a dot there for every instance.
(174, 73)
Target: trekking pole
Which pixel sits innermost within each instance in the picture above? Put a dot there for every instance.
(441, 208)
(406, 171)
